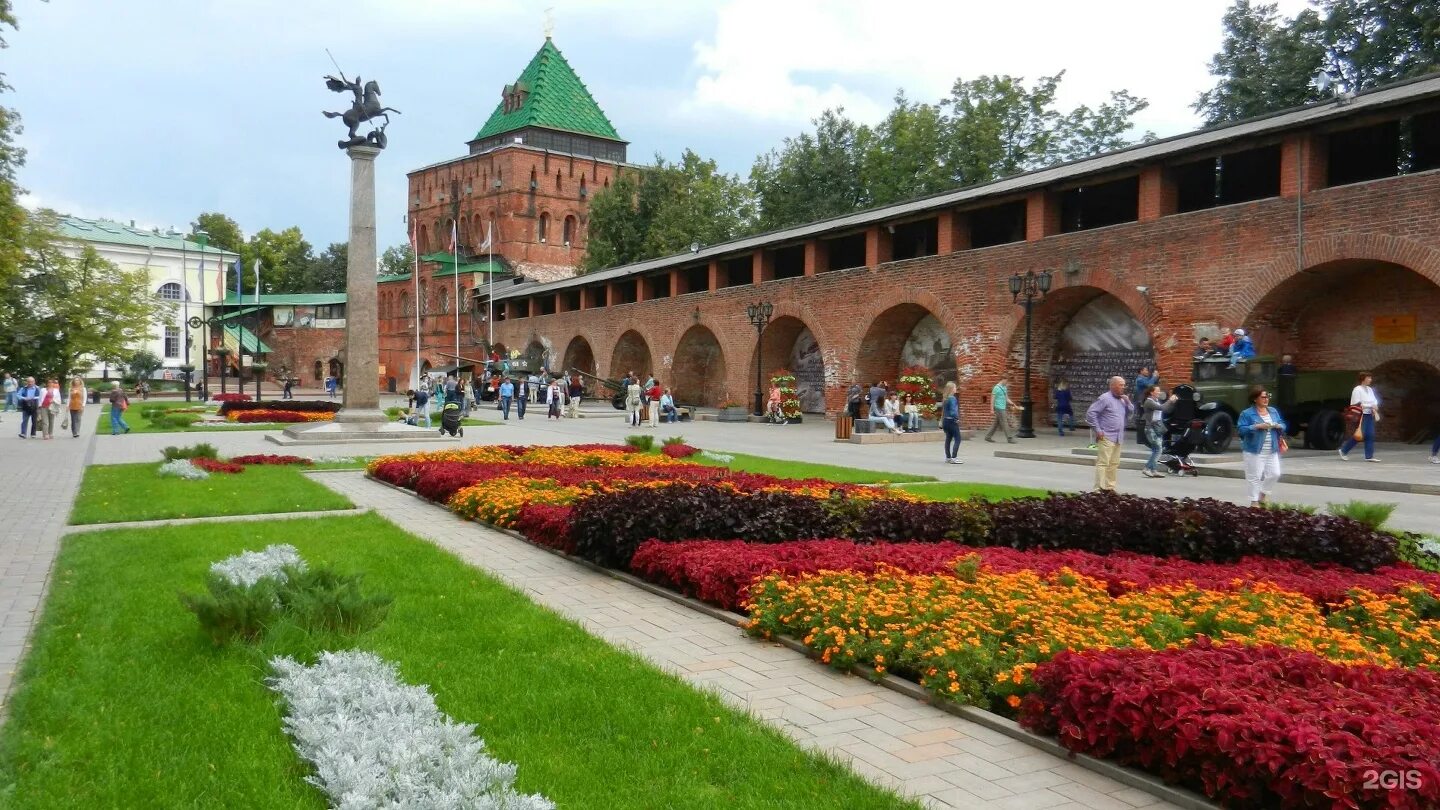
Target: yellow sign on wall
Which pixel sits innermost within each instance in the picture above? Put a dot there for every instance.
(1395, 329)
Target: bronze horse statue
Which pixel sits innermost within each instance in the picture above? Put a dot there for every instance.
(365, 107)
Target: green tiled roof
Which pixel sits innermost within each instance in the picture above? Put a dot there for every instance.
(447, 265)
(555, 99)
(245, 339)
(109, 232)
(381, 279)
(287, 299)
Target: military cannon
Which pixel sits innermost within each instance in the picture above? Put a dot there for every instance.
(617, 389)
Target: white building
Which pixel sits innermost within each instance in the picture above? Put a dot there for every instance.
(179, 269)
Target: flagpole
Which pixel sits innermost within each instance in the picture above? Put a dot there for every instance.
(490, 296)
(415, 277)
(455, 250)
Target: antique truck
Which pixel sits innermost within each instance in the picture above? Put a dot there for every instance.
(1312, 402)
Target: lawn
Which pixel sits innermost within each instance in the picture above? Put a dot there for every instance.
(118, 492)
(964, 490)
(783, 468)
(122, 703)
(139, 424)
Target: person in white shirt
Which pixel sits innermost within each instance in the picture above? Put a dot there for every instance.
(1367, 402)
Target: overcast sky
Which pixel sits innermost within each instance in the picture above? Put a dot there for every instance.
(155, 111)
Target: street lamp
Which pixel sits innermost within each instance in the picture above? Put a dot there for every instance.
(213, 322)
(201, 236)
(1031, 286)
(759, 314)
(185, 295)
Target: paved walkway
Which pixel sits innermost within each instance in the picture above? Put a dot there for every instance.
(813, 441)
(39, 479)
(890, 738)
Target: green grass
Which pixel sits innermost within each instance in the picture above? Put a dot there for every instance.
(782, 468)
(964, 490)
(139, 424)
(119, 492)
(122, 703)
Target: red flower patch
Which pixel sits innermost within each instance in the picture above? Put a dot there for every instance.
(212, 466)
(679, 450)
(266, 458)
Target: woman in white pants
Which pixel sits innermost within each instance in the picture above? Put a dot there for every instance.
(1262, 441)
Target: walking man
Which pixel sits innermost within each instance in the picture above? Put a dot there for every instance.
(1108, 415)
(999, 402)
(576, 390)
(11, 386)
(507, 393)
(28, 396)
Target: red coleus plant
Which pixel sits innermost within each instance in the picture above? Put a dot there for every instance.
(679, 450)
(1259, 726)
(212, 466)
(266, 458)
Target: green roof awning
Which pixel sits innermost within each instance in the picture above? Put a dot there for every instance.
(381, 279)
(238, 338)
(240, 312)
(553, 98)
(286, 299)
(448, 266)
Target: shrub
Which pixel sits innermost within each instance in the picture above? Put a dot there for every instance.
(1370, 513)
(201, 450)
(679, 450)
(1304, 508)
(232, 611)
(641, 442)
(175, 420)
(1418, 550)
(1256, 726)
(295, 405)
(669, 440)
(324, 599)
(236, 397)
(182, 468)
(546, 525)
(210, 465)
(1203, 530)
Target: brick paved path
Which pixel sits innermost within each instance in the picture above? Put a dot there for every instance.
(38, 482)
(890, 738)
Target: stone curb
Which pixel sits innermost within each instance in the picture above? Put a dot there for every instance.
(1289, 478)
(200, 521)
(1180, 797)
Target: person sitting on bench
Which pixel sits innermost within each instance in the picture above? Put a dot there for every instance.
(668, 413)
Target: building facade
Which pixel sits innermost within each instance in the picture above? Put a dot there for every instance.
(300, 336)
(176, 268)
(515, 208)
(1316, 229)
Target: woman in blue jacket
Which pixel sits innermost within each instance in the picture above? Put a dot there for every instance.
(950, 423)
(1262, 440)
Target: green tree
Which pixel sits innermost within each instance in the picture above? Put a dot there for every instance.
(693, 202)
(998, 127)
(1084, 132)
(326, 272)
(398, 259)
(1372, 42)
(67, 303)
(1265, 63)
(906, 155)
(284, 256)
(142, 365)
(616, 231)
(12, 216)
(812, 177)
(223, 232)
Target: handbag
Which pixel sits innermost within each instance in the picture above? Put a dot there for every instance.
(1283, 446)
(1358, 435)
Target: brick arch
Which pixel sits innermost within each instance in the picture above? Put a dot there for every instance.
(632, 352)
(1374, 247)
(697, 373)
(851, 371)
(579, 355)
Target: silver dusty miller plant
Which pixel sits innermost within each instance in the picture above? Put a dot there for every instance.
(377, 742)
(249, 567)
(182, 468)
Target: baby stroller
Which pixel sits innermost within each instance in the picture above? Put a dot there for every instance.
(1184, 433)
(450, 419)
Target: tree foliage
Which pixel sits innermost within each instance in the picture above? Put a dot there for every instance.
(222, 231)
(397, 259)
(664, 209)
(1268, 62)
(67, 303)
(326, 272)
(285, 259)
(12, 157)
(812, 176)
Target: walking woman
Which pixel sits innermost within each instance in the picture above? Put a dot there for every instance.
(118, 403)
(77, 405)
(1363, 398)
(50, 408)
(950, 423)
(1064, 411)
(1262, 440)
(1154, 409)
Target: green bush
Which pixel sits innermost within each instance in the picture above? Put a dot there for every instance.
(1370, 513)
(1294, 507)
(175, 420)
(673, 440)
(1419, 550)
(201, 450)
(642, 442)
(317, 600)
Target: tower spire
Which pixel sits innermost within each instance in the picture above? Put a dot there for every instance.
(549, 22)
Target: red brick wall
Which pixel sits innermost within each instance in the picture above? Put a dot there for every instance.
(1203, 269)
(300, 348)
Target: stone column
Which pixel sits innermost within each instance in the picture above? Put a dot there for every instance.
(362, 338)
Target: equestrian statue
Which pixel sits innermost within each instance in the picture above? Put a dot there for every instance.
(365, 107)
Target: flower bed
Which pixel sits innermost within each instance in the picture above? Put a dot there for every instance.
(296, 405)
(784, 379)
(230, 398)
(975, 635)
(212, 466)
(250, 417)
(1259, 726)
(721, 571)
(266, 458)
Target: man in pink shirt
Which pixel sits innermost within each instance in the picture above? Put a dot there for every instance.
(1108, 415)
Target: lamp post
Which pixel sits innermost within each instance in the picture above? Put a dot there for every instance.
(759, 314)
(1031, 286)
(187, 369)
(199, 235)
(213, 322)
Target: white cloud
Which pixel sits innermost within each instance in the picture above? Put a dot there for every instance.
(786, 62)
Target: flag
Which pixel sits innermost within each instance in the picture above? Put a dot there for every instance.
(239, 271)
(257, 280)
(486, 245)
(219, 277)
